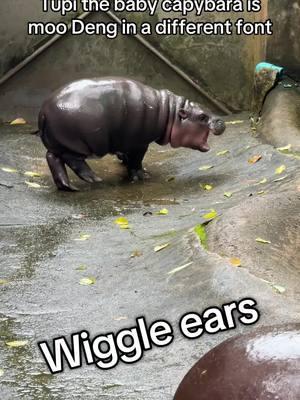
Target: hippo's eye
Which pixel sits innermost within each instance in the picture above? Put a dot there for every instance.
(203, 118)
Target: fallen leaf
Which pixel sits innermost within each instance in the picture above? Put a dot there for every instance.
(124, 226)
(83, 237)
(263, 241)
(206, 187)
(33, 185)
(228, 194)
(211, 215)
(122, 222)
(279, 289)
(285, 148)
(17, 343)
(280, 170)
(170, 179)
(78, 216)
(254, 159)
(164, 211)
(206, 167)
(161, 247)
(87, 281)
(1, 372)
(179, 268)
(223, 152)
(3, 281)
(202, 236)
(81, 268)
(10, 170)
(263, 181)
(236, 262)
(280, 179)
(234, 122)
(136, 253)
(262, 192)
(18, 121)
(32, 174)
(120, 318)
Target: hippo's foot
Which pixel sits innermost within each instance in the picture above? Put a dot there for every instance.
(133, 162)
(136, 175)
(59, 173)
(68, 188)
(81, 168)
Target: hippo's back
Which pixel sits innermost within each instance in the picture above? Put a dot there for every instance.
(98, 116)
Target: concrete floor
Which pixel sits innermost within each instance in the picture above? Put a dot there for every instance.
(42, 298)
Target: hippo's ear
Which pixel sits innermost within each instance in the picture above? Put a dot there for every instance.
(183, 114)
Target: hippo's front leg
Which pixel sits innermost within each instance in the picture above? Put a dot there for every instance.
(133, 162)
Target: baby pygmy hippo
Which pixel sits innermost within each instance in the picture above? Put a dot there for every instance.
(94, 117)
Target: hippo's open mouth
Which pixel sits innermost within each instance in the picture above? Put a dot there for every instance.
(204, 147)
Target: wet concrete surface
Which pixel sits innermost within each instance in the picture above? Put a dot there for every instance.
(41, 298)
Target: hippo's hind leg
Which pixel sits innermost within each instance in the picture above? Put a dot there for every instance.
(59, 173)
(134, 165)
(81, 168)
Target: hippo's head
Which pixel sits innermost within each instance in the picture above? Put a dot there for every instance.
(193, 127)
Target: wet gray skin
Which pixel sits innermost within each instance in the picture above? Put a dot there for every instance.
(41, 296)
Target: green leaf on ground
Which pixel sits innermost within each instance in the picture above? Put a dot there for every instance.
(17, 343)
(285, 149)
(32, 174)
(279, 289)
(164, 211)
(111, 386)
(223, 152)
(211, 215)
(228, 194)
(3, 281)
(206, 167)
(280, 179)
(202, 235)
(124, 226)
(280, 170)
(1, 372)
(33, 185)
(10, 170)
(121, 221)
(206, 186)
(87, 281)
(161, 247)
(263, 181)
(263, 241)
(83, 237)
(175, 270)
(81, 268)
